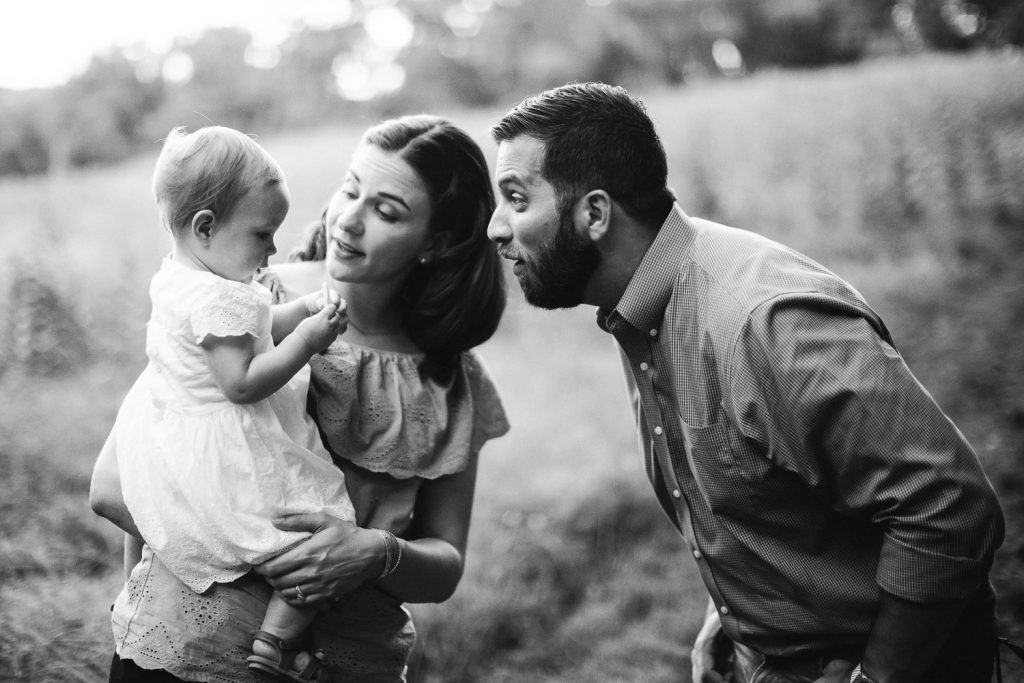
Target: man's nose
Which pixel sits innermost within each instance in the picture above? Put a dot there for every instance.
(498, 230)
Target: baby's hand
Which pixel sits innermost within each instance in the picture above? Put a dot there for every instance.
(321, 329)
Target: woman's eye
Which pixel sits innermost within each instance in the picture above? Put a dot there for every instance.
(384, 211)
(517, 199)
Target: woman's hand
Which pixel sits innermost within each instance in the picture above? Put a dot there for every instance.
(338, 558)
(314, 302)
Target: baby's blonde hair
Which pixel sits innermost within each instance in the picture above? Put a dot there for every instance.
(212, 168)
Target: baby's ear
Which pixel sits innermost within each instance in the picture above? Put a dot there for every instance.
(203, 223)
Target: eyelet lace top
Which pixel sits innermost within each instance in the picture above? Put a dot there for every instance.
(376, 410)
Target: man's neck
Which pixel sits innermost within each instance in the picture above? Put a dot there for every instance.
(622, 251)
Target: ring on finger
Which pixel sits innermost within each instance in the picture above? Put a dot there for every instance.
(299, 595)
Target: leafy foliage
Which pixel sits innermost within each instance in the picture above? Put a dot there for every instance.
(465, 53)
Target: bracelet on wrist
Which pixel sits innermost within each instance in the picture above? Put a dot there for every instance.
(392, 552)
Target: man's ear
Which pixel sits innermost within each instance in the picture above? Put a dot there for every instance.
(593, 214)
(203, 223)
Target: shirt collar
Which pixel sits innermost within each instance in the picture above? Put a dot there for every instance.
(643, 303)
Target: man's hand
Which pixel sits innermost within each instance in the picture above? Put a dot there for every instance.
(705, 646)
(336, 559)
(837, 671)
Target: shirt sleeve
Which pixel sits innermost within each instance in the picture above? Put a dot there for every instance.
(227, 309)
(833, 401)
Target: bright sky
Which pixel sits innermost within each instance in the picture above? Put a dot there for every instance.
(45, 42)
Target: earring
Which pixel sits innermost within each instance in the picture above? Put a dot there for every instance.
(423, 259)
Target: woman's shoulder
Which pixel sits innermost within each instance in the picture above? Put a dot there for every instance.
(298, 277)
(378, 410)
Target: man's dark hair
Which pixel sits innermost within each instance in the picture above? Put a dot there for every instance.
(596, 137)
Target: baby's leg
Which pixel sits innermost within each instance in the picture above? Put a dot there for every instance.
(285, 624)
(284, 621)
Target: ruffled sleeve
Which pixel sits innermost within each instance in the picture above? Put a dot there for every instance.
(229, 309)
(376, 410)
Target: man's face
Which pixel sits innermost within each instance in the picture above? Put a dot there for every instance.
(552, 260)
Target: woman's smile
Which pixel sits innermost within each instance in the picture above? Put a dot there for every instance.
(345, 251)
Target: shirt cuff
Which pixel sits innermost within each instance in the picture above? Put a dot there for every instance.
(923, 576)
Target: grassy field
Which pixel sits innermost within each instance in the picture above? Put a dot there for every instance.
(905, 177)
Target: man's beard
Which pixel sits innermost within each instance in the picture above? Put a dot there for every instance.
(559, 273)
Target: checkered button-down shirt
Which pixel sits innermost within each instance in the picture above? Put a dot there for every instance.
(790, 444)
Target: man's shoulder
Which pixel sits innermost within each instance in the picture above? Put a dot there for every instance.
(753, 268)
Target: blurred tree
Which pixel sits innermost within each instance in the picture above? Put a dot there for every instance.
(23, 147)
(801, 33)
(97, 117)
(471, 52)
(962, 25)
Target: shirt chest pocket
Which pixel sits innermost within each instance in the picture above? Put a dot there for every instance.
(723, 461)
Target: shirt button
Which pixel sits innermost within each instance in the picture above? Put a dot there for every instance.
(723, 609)
(696, 553)
(658, 430)
(644, 366)
(676, 493)
(654, 333)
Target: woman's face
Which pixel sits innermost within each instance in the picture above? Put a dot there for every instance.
(377, 221)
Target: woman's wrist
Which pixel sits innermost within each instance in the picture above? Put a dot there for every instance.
(392, 556)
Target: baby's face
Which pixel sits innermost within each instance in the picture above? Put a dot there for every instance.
(242, 242)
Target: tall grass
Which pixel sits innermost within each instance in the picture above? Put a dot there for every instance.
(905, 177)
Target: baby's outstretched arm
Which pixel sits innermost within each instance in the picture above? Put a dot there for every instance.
(246, 377)
(286, 317)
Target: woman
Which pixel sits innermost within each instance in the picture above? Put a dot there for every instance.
(402, 404)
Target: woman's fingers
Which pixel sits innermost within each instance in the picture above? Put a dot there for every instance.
(311, 522)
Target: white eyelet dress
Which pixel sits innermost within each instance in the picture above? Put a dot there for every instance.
(391, 429)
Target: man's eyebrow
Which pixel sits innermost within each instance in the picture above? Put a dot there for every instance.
(509, 178)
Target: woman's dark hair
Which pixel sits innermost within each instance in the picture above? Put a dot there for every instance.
(454, 301)
(596, 137)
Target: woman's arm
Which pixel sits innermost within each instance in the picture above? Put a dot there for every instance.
(431, 564)
(132, 554)
(339, 556)
(105, 496)
(246, 377)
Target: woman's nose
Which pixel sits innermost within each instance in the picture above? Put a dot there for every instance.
(350, 219)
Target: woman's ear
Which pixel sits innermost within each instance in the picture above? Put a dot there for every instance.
(593, 213)
(203, 223)
(435, 244)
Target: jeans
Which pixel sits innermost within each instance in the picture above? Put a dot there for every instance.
(966, 656)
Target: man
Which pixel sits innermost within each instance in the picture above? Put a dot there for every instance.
(842, 525)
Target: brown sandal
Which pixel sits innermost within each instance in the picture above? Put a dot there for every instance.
(281, 667)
